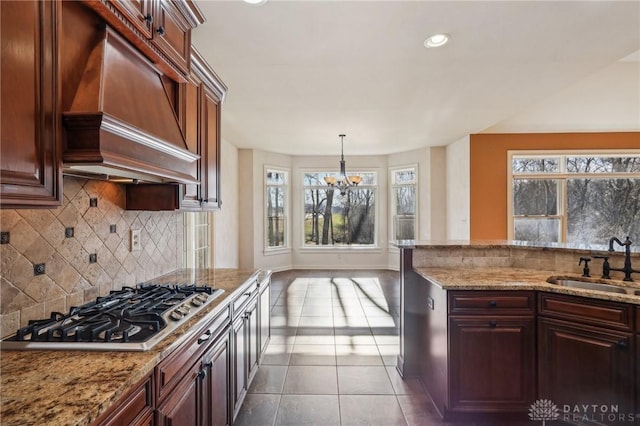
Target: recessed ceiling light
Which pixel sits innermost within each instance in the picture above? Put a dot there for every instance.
(435, 40)
(255, 2)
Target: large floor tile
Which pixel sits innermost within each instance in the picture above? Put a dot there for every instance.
(269, 379)
(358, 354)
(308, 410)
(313, 355)
(364, 380)
(277, 354)
(370, 410)
(258, 409)
(407, 386)
(318, 380)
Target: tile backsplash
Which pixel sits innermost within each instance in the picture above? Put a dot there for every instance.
(86, 251)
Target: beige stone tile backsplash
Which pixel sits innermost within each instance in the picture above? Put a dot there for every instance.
(38, 236)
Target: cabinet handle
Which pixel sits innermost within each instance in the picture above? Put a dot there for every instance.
(493, 324)
(202, 374)
(149, 18)
(160, 30)
(622, 344)
(209, 364)
(205, 337)
(493, 304)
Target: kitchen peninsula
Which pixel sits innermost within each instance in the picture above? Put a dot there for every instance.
(492, 326)
(62, 387)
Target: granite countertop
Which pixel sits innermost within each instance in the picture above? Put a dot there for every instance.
(520, 279)
(547, 246)
(64, 388)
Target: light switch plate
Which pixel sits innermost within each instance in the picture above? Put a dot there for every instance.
(135, 240)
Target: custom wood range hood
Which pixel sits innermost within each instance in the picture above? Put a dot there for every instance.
(121, 123)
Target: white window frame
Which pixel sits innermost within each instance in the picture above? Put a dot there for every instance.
(342, 247)
(287, 206)
(392, 203)
(191, 246)
(561, 175)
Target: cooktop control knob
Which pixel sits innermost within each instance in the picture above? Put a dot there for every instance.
(199, 299)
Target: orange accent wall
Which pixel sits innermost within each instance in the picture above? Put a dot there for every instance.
(488, 170)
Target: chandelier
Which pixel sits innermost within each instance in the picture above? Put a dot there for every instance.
(343, 182)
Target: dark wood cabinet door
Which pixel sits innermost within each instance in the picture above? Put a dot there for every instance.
(239, 363)
(181, 406)
(580, 364)
(210, 177)
(172, 34)
(190, 92)
(215, 395)
(30, 174)
(138, 12)
(265, 315)
(492, 364)
(253, 343)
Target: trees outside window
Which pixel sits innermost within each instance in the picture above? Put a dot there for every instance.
(403, 202)
(331, 219)
(575, 197)
(276, 208)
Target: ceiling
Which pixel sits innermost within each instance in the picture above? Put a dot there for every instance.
(301, 72)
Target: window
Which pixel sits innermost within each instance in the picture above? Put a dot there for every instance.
(198, 239)
(575, 197)
(276, 208)
(403, 202)
(331, 219)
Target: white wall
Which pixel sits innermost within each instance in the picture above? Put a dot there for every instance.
(458, 190)
(226, 220)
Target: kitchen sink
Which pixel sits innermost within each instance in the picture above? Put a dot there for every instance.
(587, 285)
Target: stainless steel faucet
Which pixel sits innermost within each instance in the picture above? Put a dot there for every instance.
(627, 269)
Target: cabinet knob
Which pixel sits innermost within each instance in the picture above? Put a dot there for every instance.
(622, 344)
(149, 18)
(209, 364)
(204, 337)
(493, 304)
(202, 374)
(493, 323)
(160, 30)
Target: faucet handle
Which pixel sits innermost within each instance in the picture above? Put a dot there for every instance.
(585, 270)
(605, 266)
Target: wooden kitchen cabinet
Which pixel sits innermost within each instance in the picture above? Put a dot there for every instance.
(580, 361)
(246, 353)
(134, 409)
(30, 174)
(216, 365)
(160, 29)
(191, 379)
(139, 13)
(491, 353)
(265, 314)
(200, 115)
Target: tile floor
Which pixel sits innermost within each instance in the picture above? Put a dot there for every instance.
(332, 355)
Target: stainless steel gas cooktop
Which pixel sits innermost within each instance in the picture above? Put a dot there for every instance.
(131, 319)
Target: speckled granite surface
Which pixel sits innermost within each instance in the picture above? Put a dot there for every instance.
(533, 245)
(520, 279)
(57, 388)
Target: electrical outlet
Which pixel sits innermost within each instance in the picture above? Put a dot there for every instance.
(135, 240)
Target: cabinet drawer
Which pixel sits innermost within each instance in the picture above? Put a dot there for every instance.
(491, 302)
(171, 370)
(248, 293)
(601, 313)
(132, 409)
